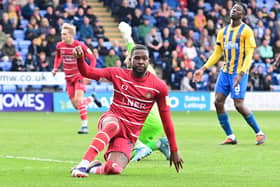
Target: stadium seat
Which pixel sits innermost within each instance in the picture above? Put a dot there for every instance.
(24, 44)
(19, 34)
(24, 23)
(42, 12)
(108, 45)
(9, 88)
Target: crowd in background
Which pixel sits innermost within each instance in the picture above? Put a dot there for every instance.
(180, 35)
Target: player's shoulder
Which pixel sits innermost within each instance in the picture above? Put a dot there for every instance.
(77, 42)
(247, 28)
(157, 81)
(60, 44)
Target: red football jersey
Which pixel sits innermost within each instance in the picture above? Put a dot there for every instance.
(134, 98)
(64, 54)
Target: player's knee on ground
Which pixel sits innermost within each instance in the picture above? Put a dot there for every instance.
(112, 168)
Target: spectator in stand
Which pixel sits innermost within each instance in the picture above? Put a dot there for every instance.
(167, 36)
(9, 49)
(52, 39)
(79, 17)
(84, 5)
(45, 26)
(34, 48)
(102, 50)
(51, 16)
(141, 5)
(184, 27)
(251, 17)
(174, 4)
(164, 10)
(7, 25)
(91, 16)
(179, 38)
(5, 64)
(125, 12)
(143, 30)
(276, 8)
(200, 20)
(137, 18)
(190, 50)
(187, 83)
(213, 76)
(13, 16)
(268, 83)
(43, 62)
(111, 58)
(132, 3)
(224, 16)
(152, 6)
(17, 63)
(153, 41)
(99, 31)
(86, 30)
(276, 48)
(27, 9)
(260, 30)
(3, 38)
(265, 50)
(258, 79)
(148, 15)
(30, 64)
(89, 44)
(33, 29)
(99, 60)
(117, 48)
(185, 14)
(36, 14)
(70, 7)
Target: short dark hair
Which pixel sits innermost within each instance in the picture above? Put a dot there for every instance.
(139, 47)
(244, 7)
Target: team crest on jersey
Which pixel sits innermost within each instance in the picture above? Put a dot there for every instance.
(148, 95)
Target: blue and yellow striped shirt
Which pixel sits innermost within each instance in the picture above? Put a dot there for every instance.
(234, 42)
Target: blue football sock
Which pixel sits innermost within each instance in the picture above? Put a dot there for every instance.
(252, 122)
(224, 121)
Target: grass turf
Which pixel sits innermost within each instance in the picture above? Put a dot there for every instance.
(24, 136)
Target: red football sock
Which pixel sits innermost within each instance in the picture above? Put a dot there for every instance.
(82, 110)
(101, 140)
(108, 168)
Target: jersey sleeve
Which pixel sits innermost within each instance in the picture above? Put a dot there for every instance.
(165, 114)
(94, 73)
(250, 44)
(89, 55)
(57, 59)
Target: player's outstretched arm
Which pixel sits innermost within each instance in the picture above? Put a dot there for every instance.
(86, 70)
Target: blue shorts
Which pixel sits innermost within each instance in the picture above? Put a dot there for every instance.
(224, 85)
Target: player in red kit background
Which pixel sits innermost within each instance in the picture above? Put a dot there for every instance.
(74, 80)
(135, 92)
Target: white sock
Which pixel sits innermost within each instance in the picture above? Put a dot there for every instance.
(83, 163)
(260, 133)
(84, 123)
(232, 136)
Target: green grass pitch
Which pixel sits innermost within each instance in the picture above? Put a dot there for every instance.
(52, 138)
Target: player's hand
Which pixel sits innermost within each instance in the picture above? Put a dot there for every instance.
(197, 76)
(176, 160)
(126, 31)
(237, 79)
(54, 72)
(78, 52)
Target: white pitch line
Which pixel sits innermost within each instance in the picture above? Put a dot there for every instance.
(37, 159)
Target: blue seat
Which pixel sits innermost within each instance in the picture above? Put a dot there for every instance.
(24, 23)
(19, 34)
(42, 12)
(24, 44)
(108, 45)
(9, 88)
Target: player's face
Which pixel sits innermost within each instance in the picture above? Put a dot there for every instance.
(236, 12)
(66, 36)
(140, 61)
